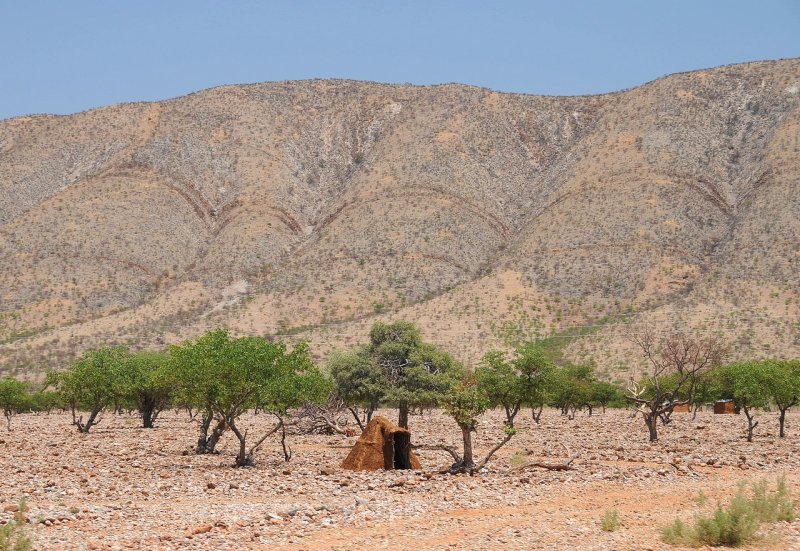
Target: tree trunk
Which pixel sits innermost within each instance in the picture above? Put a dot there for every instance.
(90, 422)
(694, 412)
(216, 434)
(8, 419)
(287, 452)
(781, 420)
(537, 413)
(354, 411)
(750, 424)
(242, 458)
(148, 407)
(402, 418)
(466, 460)
(205, 423)
(651, 420)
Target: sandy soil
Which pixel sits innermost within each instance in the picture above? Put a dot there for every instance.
(123, 487)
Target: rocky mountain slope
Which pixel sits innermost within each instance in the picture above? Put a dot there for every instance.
(310, 209)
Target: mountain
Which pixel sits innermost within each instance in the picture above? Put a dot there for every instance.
(310, 209)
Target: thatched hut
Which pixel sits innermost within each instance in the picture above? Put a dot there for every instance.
(382, 445)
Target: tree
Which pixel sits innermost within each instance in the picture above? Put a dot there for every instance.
(604, 393)
(358, 381)
(679, 355)
(465, 404)
(513, 384)
(91, 383)
(228, 376)
(13, 397)
(147, 381)
(783, 385)
(746, 383)
(499, 382)
(705, 391)
(570, 388)
(45, 400)
(535, 371)
(417, 373)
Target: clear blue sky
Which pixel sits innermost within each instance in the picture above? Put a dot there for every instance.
(62, 56)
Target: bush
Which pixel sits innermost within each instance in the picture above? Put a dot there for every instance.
(13, 536)
(610, 521)
(735, 525)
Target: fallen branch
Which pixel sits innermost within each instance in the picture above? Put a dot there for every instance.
(550, 466)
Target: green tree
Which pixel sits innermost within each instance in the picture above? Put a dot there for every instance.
(705, 391)
(229, 375)
(515, 383)
(90, 384)
(13, 397)
(45, 400)
(465, 403)
(499, 381)
(570, 388)
(747, 384)
(605, 393)
(783, 385)
(417, 373)
(535, 370)
(358, 381)
(146, 380)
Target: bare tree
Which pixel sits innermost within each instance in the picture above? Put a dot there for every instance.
(675, 363)
(328, 418)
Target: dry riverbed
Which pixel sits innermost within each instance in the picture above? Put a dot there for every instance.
(123, 487)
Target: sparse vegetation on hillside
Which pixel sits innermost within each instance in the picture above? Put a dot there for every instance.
(488, 219)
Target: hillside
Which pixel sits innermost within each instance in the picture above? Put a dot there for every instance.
(310, 209)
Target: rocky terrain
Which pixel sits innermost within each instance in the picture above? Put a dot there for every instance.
(310, 209)
(123, 487)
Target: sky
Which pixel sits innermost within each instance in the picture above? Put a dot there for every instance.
(62, 57)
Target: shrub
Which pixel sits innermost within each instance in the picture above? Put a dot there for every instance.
(610, 521)
(13, 536)
(736, 524)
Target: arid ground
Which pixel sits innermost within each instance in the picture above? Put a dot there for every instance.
(123, 487)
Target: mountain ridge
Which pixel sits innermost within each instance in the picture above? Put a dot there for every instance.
(294, 204)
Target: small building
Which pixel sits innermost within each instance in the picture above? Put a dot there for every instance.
(681, 408)
(724, 406)
(382, 445)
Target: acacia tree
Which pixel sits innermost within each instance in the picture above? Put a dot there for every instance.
(358, 381)
(678, 355)
(91, 384)
(746, 383)
(231, 375)
(147, 381)
(783, 385)
(13, 397)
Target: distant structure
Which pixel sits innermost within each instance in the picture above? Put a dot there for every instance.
(724, 406)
